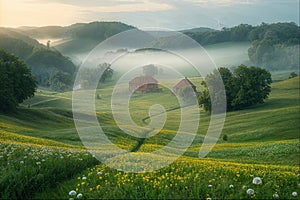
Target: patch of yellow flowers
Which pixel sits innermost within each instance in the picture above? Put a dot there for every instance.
(194, 178)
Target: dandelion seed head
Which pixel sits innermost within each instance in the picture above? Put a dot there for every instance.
(257, 181)
(250, 191)
(72, 193)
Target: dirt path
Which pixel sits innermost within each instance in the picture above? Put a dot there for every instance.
(141, 141)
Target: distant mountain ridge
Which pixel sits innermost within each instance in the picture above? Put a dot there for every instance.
(197, 30)
(49, 64)
(273, 46)
(77, 38)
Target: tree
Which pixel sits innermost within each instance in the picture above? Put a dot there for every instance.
(244, 87)
(108, 72)
(60, 81)
(252, 86)
(204, 100)
(89, 76)
(213, 95)
(187, 94)
(292, 75)
(150, 70)
(16, 82)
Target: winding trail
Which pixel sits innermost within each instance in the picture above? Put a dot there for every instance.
(141, 141)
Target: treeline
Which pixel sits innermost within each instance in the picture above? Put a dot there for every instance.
(273, 46)
(100, 30)
(49, 66)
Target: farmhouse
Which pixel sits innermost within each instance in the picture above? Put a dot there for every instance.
(183, 83)
(144, 84)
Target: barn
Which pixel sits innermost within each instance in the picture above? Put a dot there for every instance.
(144, 84)
(183, 83)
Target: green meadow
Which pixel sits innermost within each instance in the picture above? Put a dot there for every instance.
(42, 155)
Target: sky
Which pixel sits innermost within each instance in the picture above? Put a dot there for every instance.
(168, 14)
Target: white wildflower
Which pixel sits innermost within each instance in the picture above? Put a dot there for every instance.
(294, 194)
(84, 178)
(257, 181)
(99, 173)
(79, 196)
(72, 192)
(231, 186)
(275, 196)
(250, 191)
(209, 186)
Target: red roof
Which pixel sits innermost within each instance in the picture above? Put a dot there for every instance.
(142, 80)
(184, 82)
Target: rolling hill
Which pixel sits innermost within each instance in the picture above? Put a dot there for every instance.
(197, 30)
(261, 126)
(262, 141)
(76, 38)
(43, 61)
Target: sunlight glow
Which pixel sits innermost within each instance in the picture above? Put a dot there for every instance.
(14, 13)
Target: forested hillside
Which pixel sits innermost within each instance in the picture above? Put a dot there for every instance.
(274, 46)
(49, 66)
(77, 38)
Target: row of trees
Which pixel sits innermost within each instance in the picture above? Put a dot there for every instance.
(245, 87)
(16, 82)
(278, 33)
(273, 46)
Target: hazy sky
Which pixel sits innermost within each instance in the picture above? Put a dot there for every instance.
(172, 14)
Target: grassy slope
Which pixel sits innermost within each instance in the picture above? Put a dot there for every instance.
(266, 134)
(270, 127)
